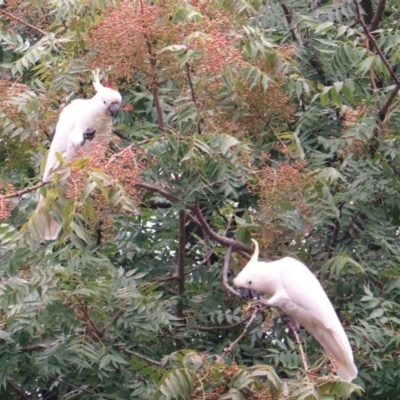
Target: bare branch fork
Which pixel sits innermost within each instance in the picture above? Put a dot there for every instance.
(378, 15)
(227, 242)
(385, 108)
(199, 220)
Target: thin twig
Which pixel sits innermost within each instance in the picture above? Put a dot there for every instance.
(160, 115)
(205, 261)
(83, 312)
(293, 30)
(228, 349)
(265, 303)
(154, 87)
(180, 273)
(35, 28)
(174, 277)
(80, 388)
(192, 93)
(19, 193)
(302, 354)
(114, 317)
(140, 356)
(281, 142)
(190, 83)
(225, 273)
(221, 328)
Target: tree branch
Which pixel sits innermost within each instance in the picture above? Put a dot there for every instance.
(236, 245)
(385, 108)
(35, 347)
(377, 16)
(376, 45)
(190, 83)
(368, 10)
(19, 193)
(225, 270)
(180, 276)
(119, 134)
(293, 31)
(35, 28)
(192, 92)
(156, 189)
(156, 97)
(302, 354)
(154, 84)
(281, 142)
(140, 356)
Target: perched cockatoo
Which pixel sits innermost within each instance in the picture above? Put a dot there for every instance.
(80, 123)
(290, 285)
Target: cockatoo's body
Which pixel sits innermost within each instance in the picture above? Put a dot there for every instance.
(80, 123)
(290, 285)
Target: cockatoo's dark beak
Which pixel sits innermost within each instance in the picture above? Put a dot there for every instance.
(113, 109)
(248, 293)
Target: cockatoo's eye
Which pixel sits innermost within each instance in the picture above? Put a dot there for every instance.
(104, 102)
(250, 282)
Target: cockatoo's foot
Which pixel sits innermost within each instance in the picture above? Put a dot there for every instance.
(88, 135)
(291, 322)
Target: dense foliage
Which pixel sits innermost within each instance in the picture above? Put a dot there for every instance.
(276, 121)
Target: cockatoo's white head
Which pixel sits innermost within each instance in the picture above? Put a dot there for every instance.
(251, 278)
(109, 98)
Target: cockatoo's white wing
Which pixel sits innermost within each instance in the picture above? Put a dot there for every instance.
(66, 142)
(68, 135)
(306, 301)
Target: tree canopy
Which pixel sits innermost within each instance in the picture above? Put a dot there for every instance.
(241, 119)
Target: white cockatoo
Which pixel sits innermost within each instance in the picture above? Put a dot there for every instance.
(291, 286)
(80, 123)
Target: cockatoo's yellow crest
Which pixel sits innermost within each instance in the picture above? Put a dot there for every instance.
(254, 257)
(96, 80)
